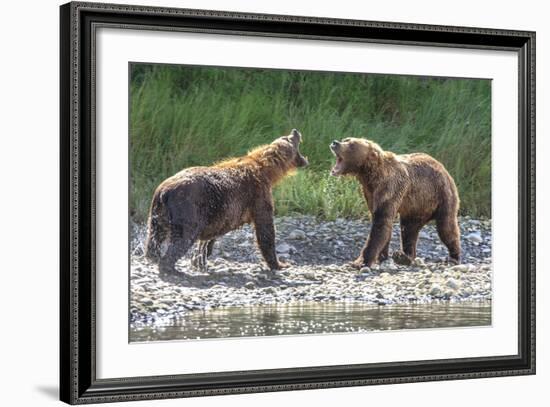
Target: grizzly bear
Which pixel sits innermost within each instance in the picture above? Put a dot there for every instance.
(203, 203)
(415, 186)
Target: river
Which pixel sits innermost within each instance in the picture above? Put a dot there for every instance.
(313, 318)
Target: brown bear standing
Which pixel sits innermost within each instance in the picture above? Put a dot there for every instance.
(203, 203)
(415, 186)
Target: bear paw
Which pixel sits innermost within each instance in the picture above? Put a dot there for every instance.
(358, 263)
(401, 258)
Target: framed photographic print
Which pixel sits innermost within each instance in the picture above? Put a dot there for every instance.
(256, 203)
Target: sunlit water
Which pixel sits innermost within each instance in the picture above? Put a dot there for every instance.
(313, 318)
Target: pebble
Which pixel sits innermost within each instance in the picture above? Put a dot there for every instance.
(297, 235)
(474, 237)
(460, 267)
(418, 262)
(435, 291)
(270, 290)
(452, 283)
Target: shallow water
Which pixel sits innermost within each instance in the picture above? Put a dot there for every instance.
(313, 318)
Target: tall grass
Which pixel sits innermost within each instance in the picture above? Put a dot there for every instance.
(186, 116)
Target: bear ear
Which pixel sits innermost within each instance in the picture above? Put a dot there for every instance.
(295, 137)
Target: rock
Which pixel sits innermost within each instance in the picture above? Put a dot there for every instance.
(283, 248)
(448, 294)
(467, 291)
(250, 285)
(460, 268)
(364, 270)
(297, 234)
(474, 237)
(452, 283)
(435, 291)
(419, 262)
(310, 275)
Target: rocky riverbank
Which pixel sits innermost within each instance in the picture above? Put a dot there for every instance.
(317, 252)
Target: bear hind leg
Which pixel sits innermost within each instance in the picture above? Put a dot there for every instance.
(180, 241)
(449, 233)
(410, 229)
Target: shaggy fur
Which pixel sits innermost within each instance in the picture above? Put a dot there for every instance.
(415, 186)
(203, 203)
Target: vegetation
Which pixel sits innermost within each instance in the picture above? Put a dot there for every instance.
(187, 116)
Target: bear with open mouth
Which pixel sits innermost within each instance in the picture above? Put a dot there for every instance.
(203, 203)
(415, 186)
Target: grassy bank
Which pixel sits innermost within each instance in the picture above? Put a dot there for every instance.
(187, 116)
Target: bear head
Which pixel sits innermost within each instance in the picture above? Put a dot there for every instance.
(353, 155)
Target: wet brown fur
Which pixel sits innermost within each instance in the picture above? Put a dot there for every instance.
(415, 186)
(203, 203)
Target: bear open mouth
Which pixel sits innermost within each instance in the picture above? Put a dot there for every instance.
(338, 167)
(302, 161)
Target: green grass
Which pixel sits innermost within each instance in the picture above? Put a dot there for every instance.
(186, 116)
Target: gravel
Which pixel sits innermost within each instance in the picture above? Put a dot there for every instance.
(317, 252)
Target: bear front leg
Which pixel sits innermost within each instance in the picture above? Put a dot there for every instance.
(265, 231)
(385, 253)
(265, 236)
(379, 237)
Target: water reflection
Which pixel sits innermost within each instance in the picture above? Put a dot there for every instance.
(313, 318)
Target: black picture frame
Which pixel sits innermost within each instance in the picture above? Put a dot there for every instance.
(78, 382)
